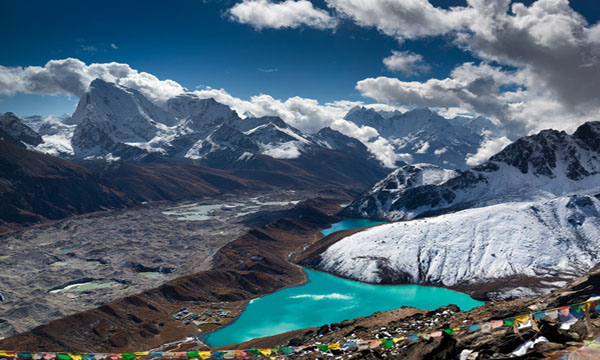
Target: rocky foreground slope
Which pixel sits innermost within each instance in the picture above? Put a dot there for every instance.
(554, 337)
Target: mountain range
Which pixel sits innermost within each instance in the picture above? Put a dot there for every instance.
(114, 122)
(428, 137)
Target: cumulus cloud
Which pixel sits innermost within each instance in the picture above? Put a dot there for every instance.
(402, 19)
(72, 77)
(287, 14)
(554, 53)
(488, 148)
(406, 62)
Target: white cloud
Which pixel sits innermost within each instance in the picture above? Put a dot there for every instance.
(402, 19)
(115, 47)
(553, 52)
(287, 14)
(268, 70)
(406, 62)
(72, 77)
(89, 48)
(488, 148)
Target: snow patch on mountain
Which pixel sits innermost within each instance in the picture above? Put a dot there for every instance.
(558, 236)
(288, 150)
(427, 136)
(547, 164)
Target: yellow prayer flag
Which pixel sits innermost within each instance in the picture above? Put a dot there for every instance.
(204, 354)
(141, 353)
(397, 339)
(75, 356)
(265, 352)
(334, 346)
(522, 319)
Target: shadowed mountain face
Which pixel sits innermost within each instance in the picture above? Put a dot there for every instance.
(35, 187)
(13, 130)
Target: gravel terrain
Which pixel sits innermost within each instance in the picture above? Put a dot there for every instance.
(53, 270)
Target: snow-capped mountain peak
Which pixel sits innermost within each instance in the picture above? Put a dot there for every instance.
(550, 162)
(427, 136)
(199, 114)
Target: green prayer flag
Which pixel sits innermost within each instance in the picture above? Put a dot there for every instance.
(388, 343)
(509, 322)
(323, 348)
(193, 355)
(449, 331)
(63, 357)
(254, 351)
(128, 356)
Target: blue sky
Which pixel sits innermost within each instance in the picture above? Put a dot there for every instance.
(193, 43)
(528, 66)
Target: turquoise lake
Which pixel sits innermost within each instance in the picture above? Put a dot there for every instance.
(327, 299)
(350, 224)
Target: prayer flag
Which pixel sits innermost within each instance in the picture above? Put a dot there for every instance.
(564, 310)
(486, 327)
(363, 345)
(436, 334)
(374, 344)
(522, 319)
(265, 352)
(474, 327)
(334, 346)
(552, 314)
(539, 315)
(351, 345)
(509, 322)
(496, 323)
(388, 343)
(413, 337)
(323, 348)
(449, 331)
